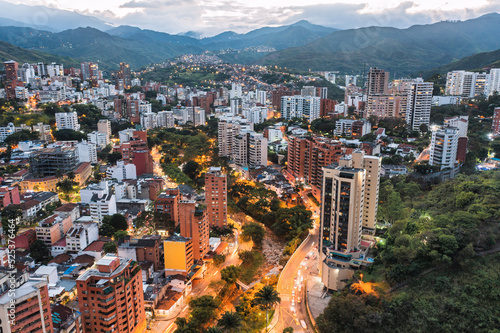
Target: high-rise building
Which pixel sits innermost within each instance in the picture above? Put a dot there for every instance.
(67, 120)
(26, 309)
(11, 78)
(194, 225)
(44, 132)
(125, 75)
(110, 297)
(493, 85)
(308, 155)
(467, 84)
(496, 122)
(216, 197)
(166, 119)
(377, 82)
(307, 107)
(250, 149)
(444, 143)
(229, 126)
(90, 71)
(418, 107)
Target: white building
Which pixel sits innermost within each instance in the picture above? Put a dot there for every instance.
(196, 115)
(460, 122)
(445, 100)
(444, 144)
(6, 131)
(418, 107)
(44, 132)
(104, 127)
(346, 126)
(466, 84)
(87, 152)
(67, 120)
(98, 139)
(250, 149)
(229, 126)
(81, 235)
(122, 171)
(255, 115)
(300, 107)
(149, 120)
(166, 119)
(126, 134)
(101, 206)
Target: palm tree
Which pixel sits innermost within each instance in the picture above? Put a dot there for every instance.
(266, 298)
(230, 321)
(213, 330)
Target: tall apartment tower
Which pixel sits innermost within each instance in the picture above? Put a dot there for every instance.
(67, 120)
(378, 82)
(250, 148)
(342, 207)
(444, 143)
(194, 225)
(125, 75)
(307, 107)
(216, 197)
(31, 309)
(372, 166)
(11, 78)
(110, 297)
(104, 126)
(418, 107)
(228, 128)
(496, 122)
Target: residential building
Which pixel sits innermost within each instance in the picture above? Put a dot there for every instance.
(495, 127)
(165, 119)
(5, 131)
(444, 144)
(110, 298)
(104, 127)
(178, 255)
(418, 108)
(229, 126)
(194, 225)
(81, 235)
(466, 84)
(145, 249)
(101, 206)
(44, 132)
(52, 229)
(98, 139)
(9, 195)
(11, 78)
(122, 171)
(87, 152)
(66, 320)
(308, 155)
(195, 115)
(216, 197)
(307, 107)
(377, 82)
(67, 120)
(168, 203)
(493, 85)
(352, 128)
(70, 209)
(250, 149)
(27, 310)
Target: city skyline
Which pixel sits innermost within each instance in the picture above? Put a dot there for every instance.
(210, 17)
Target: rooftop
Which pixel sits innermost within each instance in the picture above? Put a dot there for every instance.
(106, 260)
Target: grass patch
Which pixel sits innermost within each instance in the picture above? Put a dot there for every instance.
(313, 199)
(251, 263)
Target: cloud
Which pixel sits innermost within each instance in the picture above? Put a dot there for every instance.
(212, 16)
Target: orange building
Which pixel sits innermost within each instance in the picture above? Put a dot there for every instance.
(110, 297)
(53, 228)
(168, 203)
(178, 255)
(194, 225)
(216, 197)
(31, 306)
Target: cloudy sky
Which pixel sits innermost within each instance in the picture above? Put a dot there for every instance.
(214, 16)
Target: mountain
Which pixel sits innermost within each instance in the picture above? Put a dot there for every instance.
(55, 19)
(12, 52)
(267, 35)
(480, 61)
(134, 33)
(5, 22)
(403, 51)
(90, 44)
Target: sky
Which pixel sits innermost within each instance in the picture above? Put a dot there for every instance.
(214, 16)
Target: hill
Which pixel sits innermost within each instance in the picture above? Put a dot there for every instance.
(477, 62)
(403, 51)
(12, 52)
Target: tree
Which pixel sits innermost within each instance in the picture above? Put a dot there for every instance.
(230, 274)
(69, 135)
(191, 169)
(119, 235)
(254, 232)
(11, 213)
(114, 157)
(117, 221)
(106, 230)
(288, 330)
(219, 259)
(230, 321)
(424, 128)
(71, 175)
(495, 147)
(109, 247)
(66, 186)
(266, 298)
(40, 251)
(23, 135)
